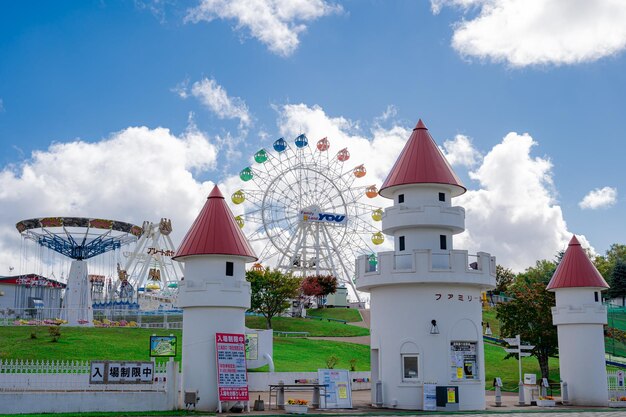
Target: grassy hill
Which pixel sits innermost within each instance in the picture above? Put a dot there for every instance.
(314, 327)
(348, 314)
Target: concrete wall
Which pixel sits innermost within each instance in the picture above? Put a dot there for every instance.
(8, 299)
(75, 402)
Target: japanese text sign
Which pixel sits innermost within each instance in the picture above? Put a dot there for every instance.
(232, 376)
(109, 372)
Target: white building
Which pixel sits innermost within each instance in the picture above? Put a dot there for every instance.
(426, 309)
(214, 293)
(580, 318)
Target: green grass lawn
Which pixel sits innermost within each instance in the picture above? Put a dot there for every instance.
(297, 354)
(347, 314)
(507, 369)
(292, 355)
(79, 343)
(314, 327)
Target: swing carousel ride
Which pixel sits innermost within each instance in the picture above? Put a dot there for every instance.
(79, 239)
(143, 276)
(307, 211)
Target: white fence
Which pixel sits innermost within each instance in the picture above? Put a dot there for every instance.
(63, 387)
(24, 375)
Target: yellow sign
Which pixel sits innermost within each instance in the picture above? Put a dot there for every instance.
(451, 395)
(343, 391)
(459, 373)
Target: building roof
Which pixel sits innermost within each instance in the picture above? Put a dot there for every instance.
(576, 270)
(421, 162)
(215, 232)
(32, 280)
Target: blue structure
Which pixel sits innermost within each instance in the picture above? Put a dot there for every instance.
(280, 145)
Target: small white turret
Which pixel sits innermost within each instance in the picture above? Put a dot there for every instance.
(580, 318)
(214, 293)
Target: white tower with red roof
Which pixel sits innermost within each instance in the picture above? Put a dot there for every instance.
(214, 293)
(580, 318)
(425, 301)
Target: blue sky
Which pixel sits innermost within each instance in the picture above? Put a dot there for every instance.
(89, 70)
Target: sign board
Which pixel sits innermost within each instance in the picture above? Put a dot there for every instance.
(512, 341)
(620, 378)
(232, 376)
(430, 397)
(320, 217)
(162, 346)
(252, 346)
(338, 388)
(530, 379)
(463, 361)
(116, 372)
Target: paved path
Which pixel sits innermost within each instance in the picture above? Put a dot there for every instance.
(361, 401)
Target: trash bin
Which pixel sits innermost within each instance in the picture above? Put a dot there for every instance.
(447, 398)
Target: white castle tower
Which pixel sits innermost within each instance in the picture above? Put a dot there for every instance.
(214, 293)
(425, 298)
(580, 318)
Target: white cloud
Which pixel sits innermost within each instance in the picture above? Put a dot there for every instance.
(214, 97)
(276, 23)
(537, 32)
(1, 106)
(599, 198)
(460, 152)
(134, 175)
(144, 174)
(514, 215)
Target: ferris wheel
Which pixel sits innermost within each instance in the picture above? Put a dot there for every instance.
(308, 209)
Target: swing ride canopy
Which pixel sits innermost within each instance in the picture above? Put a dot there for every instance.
(79, 237)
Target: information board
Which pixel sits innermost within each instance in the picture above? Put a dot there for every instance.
(252, 346)
(430, 397)
(463, 361)
(338, 387)
(232, 376)
(162, 346)
(110, 372)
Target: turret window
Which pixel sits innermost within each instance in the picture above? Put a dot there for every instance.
(400, 198)
(442, 196)
(596, 295)
(229, 269)
(401, 242)
(443, 243)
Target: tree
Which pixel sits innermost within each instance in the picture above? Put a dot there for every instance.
(271, 291)
(504, 278)
(618, 281)
(529, 313)
(605, 264)
(319, 286)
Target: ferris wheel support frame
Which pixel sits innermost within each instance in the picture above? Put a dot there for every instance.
(296, 198)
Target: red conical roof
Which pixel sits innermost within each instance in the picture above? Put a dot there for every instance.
(576, 270)
(421, 162)
(215, 232)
